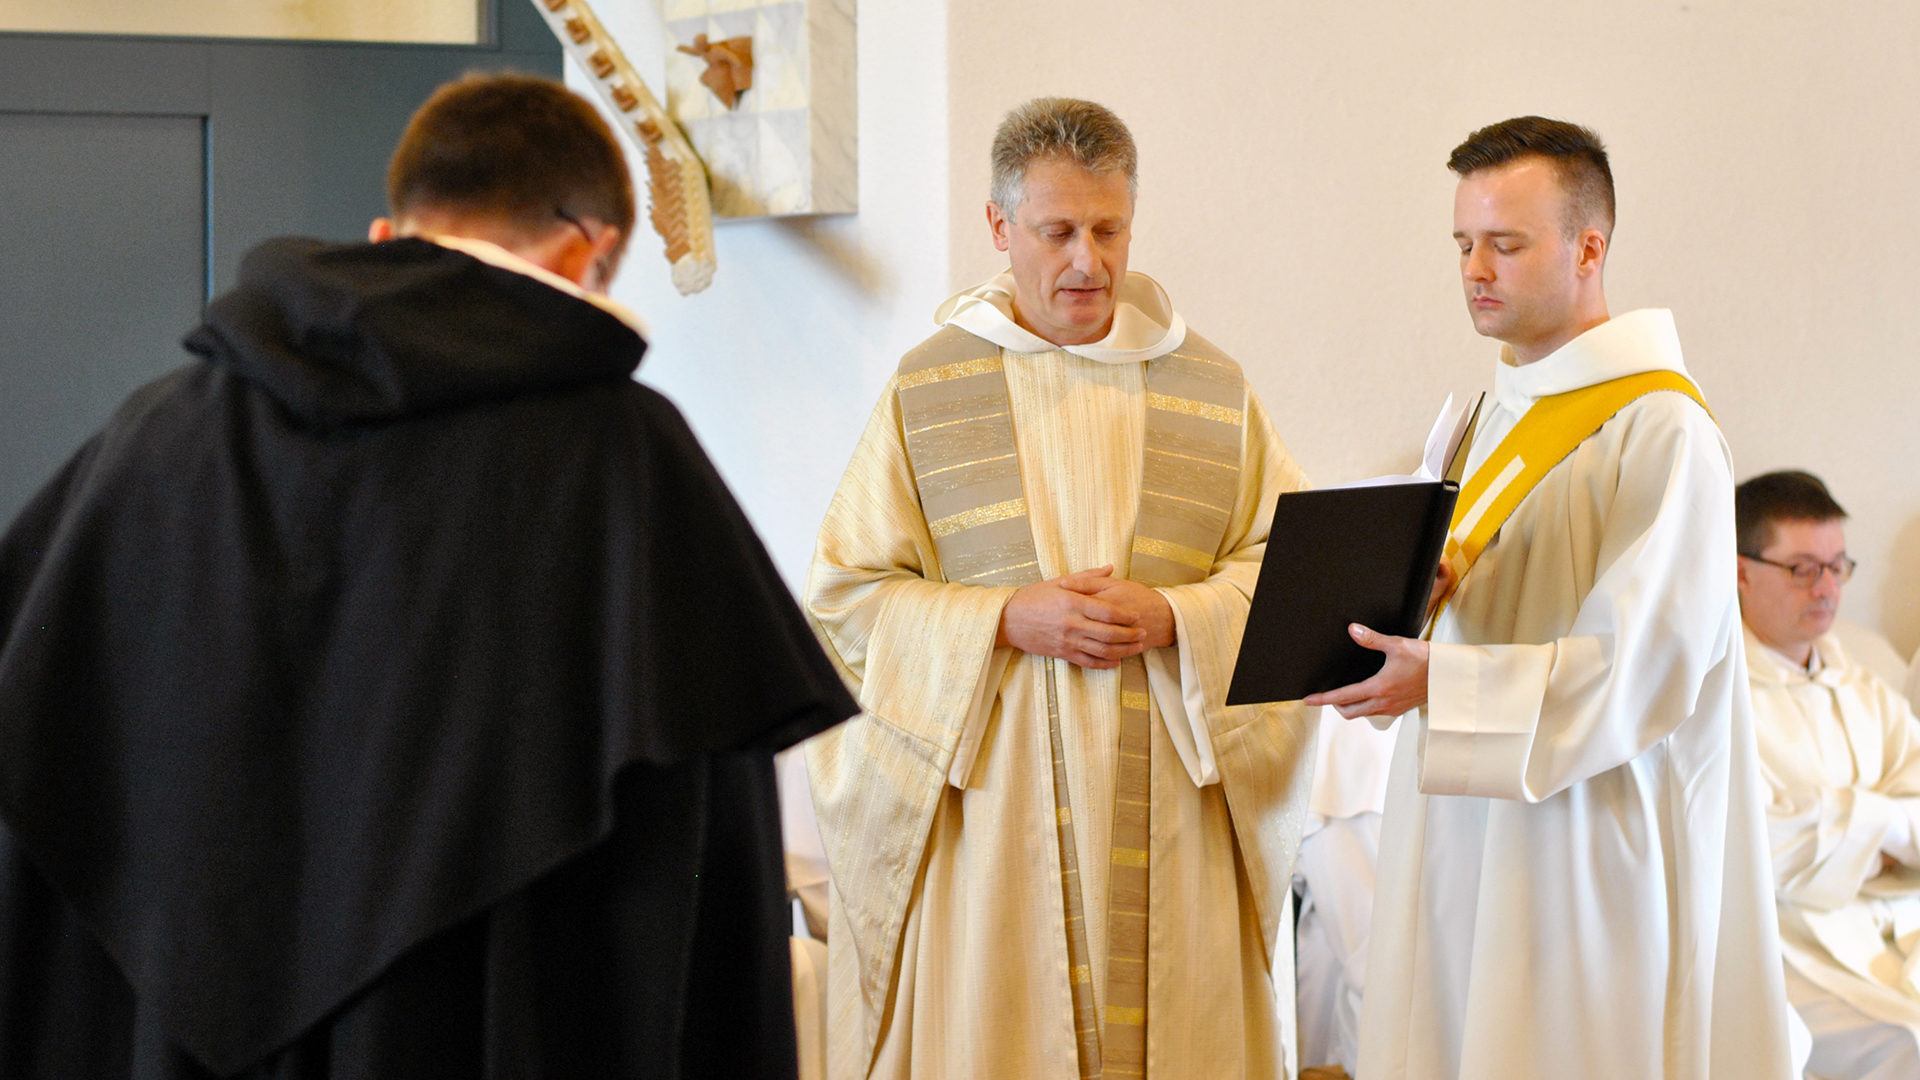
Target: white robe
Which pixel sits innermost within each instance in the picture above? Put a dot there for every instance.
(947, 942)
(1573, 876)
(1334, 879)
(1840, 750)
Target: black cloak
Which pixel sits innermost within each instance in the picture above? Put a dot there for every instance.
(391, 693)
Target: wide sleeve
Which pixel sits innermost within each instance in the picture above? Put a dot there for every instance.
(1261, 755)
(1528, 720)
(914, 646)
(1827, 839)
(918, 652)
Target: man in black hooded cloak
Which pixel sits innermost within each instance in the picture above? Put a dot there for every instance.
(392, 691)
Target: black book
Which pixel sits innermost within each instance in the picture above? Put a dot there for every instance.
(1336, 556)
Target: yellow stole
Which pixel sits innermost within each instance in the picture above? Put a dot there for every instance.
(1543, 438)
(958, 424)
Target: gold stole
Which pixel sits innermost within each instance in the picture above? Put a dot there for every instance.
(958, 423)
(1543, 438)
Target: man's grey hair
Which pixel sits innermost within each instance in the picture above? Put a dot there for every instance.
(1065, 129)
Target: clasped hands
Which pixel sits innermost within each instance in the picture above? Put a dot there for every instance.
(1089, 618)
(1400, 686)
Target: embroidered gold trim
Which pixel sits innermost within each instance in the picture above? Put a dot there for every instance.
(1129, 856)
(962, 420)
(1118, 1015)
(1133, 699)
(1191, 502)
(1162, 549)
(964, 464)
(1190, 407)
(1001, 570)
(976, 517)
(1234, 465)
(949, 372)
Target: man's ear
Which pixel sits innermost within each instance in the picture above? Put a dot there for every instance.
(1592, 256)
(606, 259)
(380, 231)
(587, 263)
(999, 224)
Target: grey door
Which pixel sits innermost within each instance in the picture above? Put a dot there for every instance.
(135, 173)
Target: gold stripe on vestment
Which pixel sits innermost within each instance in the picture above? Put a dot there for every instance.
(964, 464)
(1234, 465)
(947, 372)
(1172, 552)
(1001, 570)
(1133, 699)
(1118, 1015)
(951, 423)
(979, 515)
(1190, 407)
(1124, 856)
(1189, 502)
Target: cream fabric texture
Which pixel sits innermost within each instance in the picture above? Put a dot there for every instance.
(946, 938)
(1573, 876)
(1840, 749)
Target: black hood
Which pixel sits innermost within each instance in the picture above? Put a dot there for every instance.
(344, 334)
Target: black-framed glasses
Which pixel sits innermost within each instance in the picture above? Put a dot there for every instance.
(1806, 573)
(602, 266)
(573, 221)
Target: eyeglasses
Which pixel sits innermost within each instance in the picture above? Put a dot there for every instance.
(573, 221)
(601, 266)
(1806, 574)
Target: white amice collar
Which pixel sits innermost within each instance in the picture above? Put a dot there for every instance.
(494, 255)
(1629, 344)
(1145, 326)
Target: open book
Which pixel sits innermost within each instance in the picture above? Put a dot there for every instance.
(1362, 553)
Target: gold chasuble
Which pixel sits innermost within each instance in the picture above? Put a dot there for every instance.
(959, 431)
(1041, 870)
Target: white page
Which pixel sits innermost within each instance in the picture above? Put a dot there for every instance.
(1443, 441)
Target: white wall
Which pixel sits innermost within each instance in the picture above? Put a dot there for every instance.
(1295, 202)
(778, 364)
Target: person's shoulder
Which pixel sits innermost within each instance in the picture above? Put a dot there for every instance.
(946, 345)
(1666, 414)
(1196, 346)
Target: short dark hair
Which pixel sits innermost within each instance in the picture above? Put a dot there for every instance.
(1576, 152)
(1789, 495)
(515, 147)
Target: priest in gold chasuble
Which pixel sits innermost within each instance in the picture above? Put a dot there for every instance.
(1055, 852)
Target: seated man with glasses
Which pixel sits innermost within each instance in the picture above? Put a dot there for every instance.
(1840, 749)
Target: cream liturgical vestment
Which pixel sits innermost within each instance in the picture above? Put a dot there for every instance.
(1573, 877)
(948, 934)
(1841, 754)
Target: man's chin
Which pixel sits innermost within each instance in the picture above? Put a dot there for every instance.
(1082, 323)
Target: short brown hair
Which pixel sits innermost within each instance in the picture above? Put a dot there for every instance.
(1790, 495)
(1576, 152)
(1065, 129)
(515, 147)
